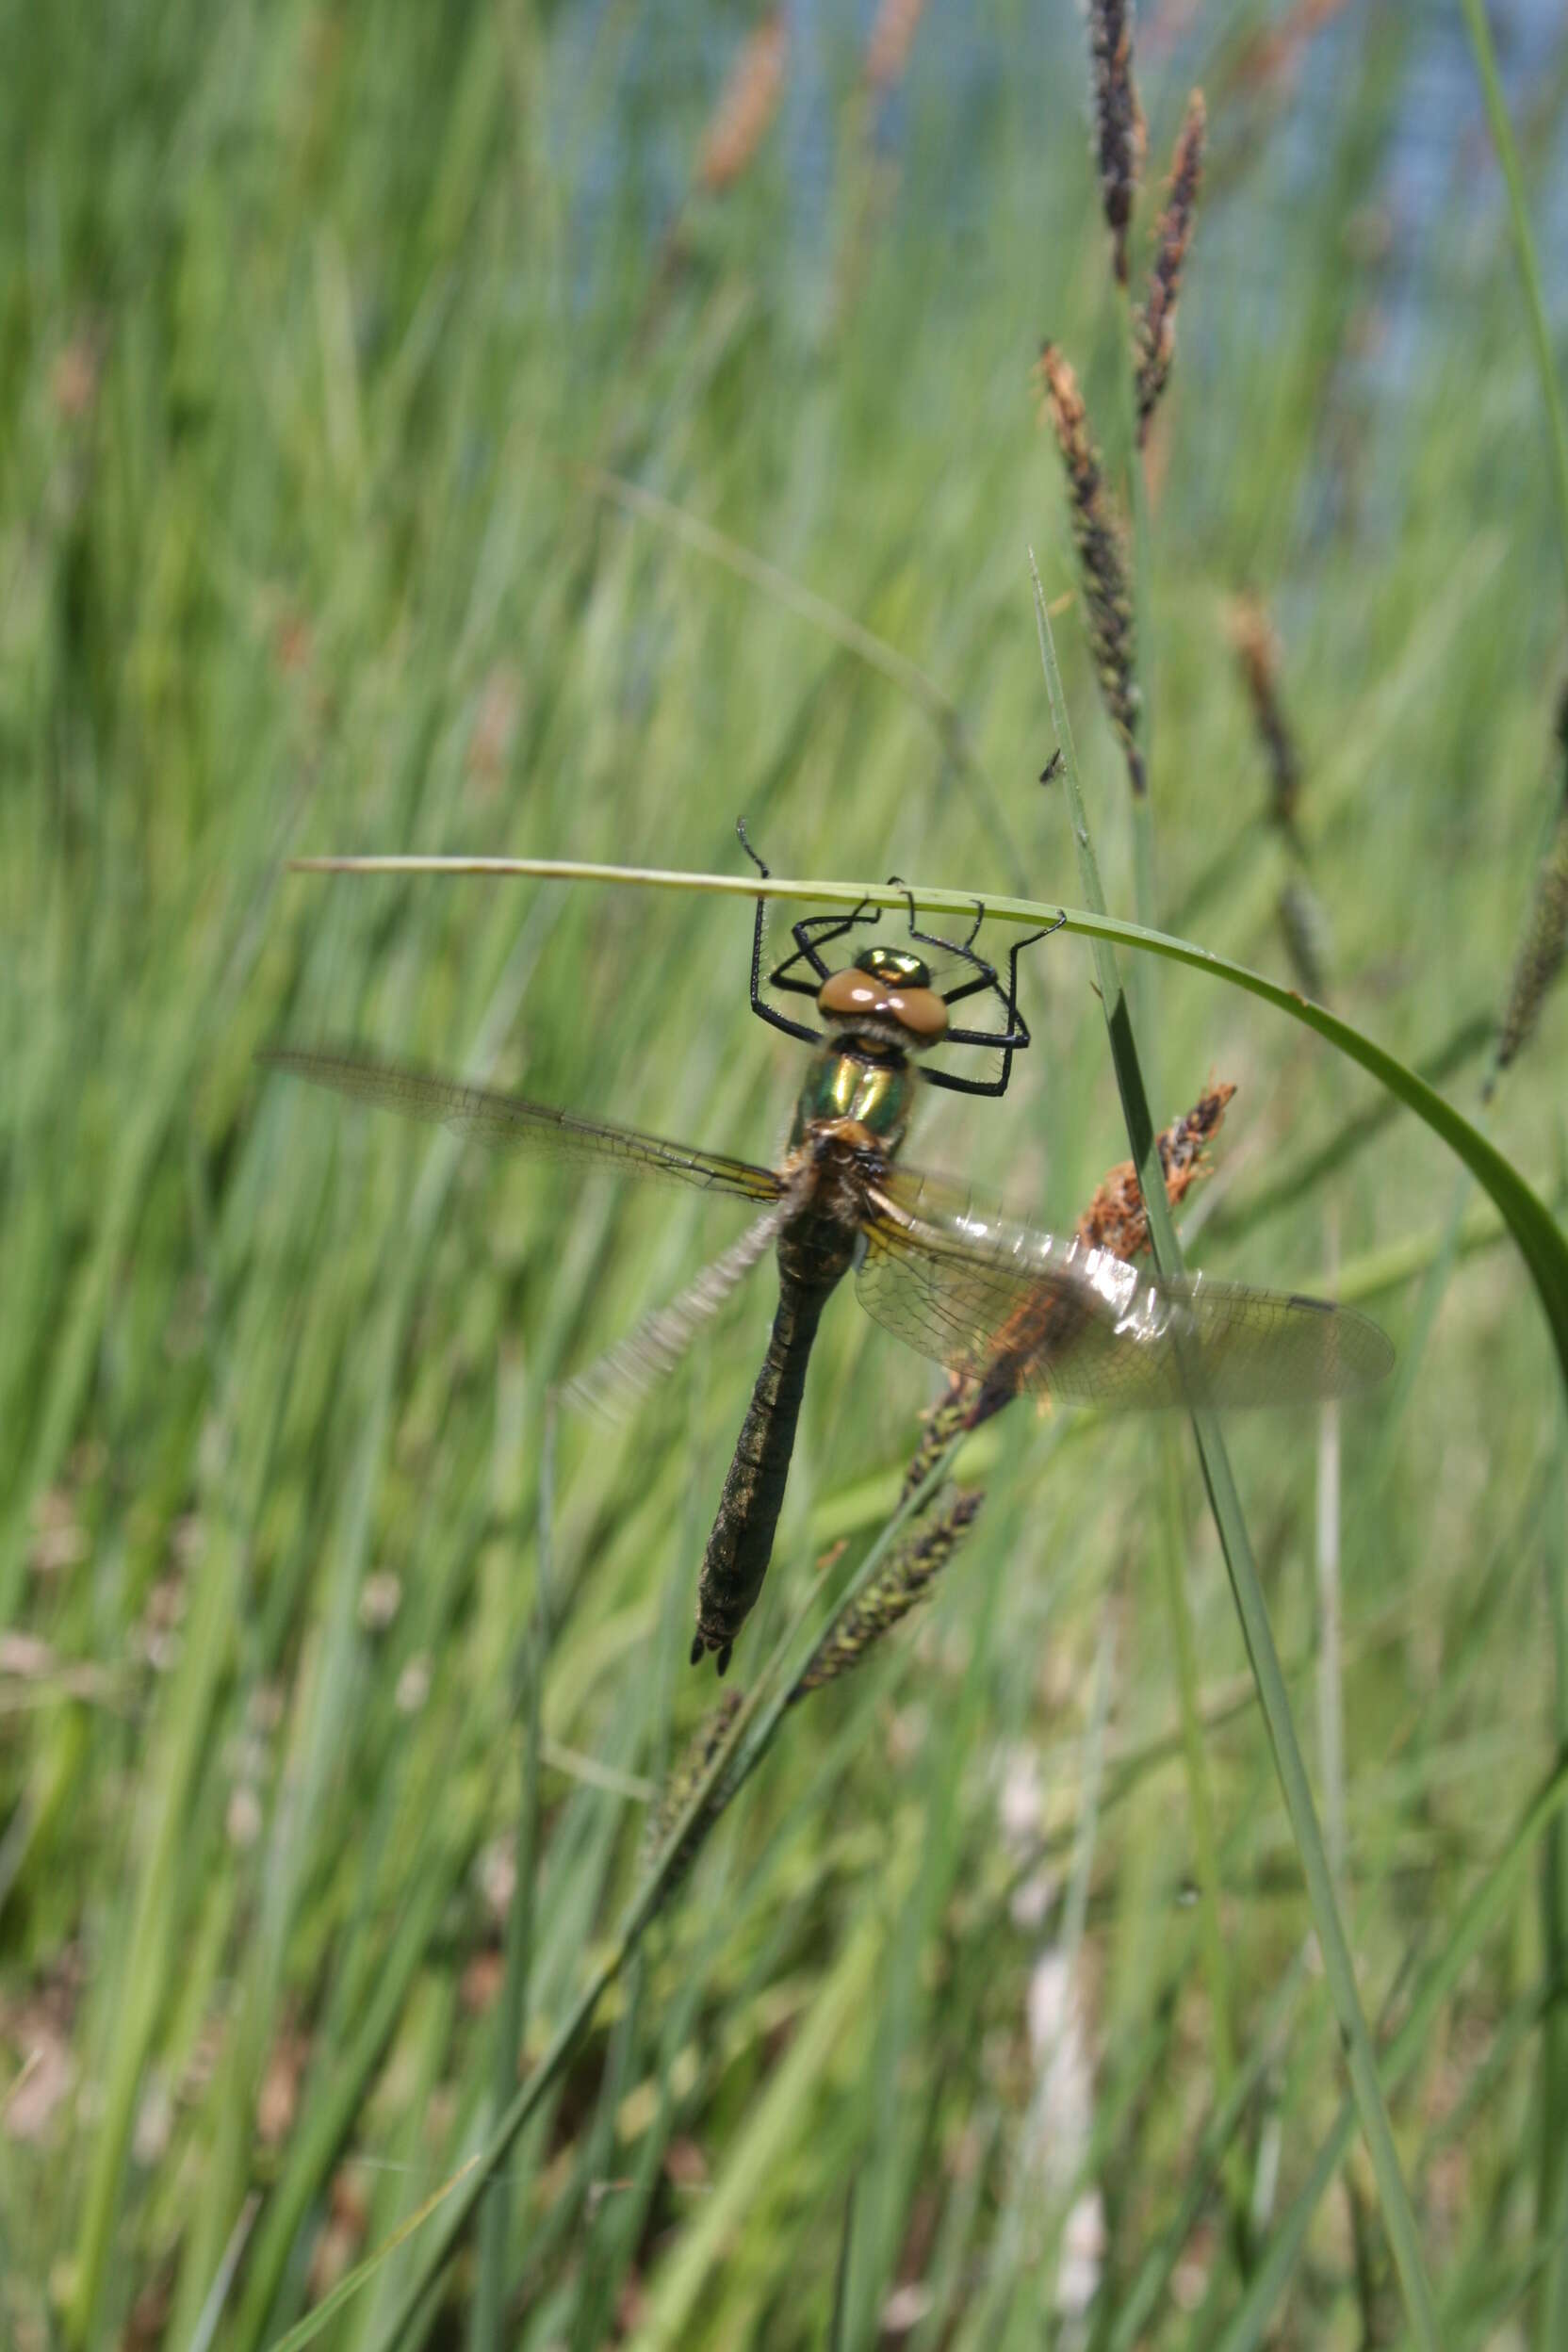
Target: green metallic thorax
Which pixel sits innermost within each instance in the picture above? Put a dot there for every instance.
(880, 1095)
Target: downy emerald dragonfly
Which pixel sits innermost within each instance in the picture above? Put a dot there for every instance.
(956, 1280)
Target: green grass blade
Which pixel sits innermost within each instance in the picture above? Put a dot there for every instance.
(735, 1757)
(1480, 1915)
(1524, 254)
(1225, 1502)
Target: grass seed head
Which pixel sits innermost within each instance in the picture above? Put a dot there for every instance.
(1257, 652)
(677, 1790)
(1098, 536)
(1119, 127)
(746, 107)
(946, 1420)
(906, 1582)
(1116, 1218)
(1545, 946)
(1154, 322)
(892, 36)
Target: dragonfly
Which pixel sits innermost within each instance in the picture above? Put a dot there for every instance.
(979, 1291)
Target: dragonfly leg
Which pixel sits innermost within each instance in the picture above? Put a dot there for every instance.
(951, 947)
(763, 1010)
(1008, 1041)
(721, 1664)
(811, 934)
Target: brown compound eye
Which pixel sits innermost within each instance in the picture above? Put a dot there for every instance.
(920, 1011)
(855, 993)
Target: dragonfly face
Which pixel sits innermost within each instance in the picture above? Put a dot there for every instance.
(954, 1278)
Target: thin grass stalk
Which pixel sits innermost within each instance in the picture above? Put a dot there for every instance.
(745, 1740)
(942, 713)
(1524, 254)
(1537, 963)
(837, 2337)
(1302, 1178)
(1172, 1547)
(324, 2133)
(1552, 2173)
(1552, 2318)
(223, 2278)
(1398, 2218)
(1075, 1909)
(486, 2331)
(989, 2324)
(1480, 1915)
(1303, 927)
(1173, 1560)
(1216, 2142)
(1331, 1664)
(1543, 941)
(689, 530)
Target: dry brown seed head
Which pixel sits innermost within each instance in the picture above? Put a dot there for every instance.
(891, 39)
(1154, 323)
(1257, 651)
(1098, 534)
(747, 105)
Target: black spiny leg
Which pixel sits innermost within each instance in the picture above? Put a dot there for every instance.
(811, 934)
(951, 947)
(1008, 1041)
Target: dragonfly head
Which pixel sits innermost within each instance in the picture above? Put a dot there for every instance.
(886, 988)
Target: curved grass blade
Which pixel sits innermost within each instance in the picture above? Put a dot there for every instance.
(1540, 1239)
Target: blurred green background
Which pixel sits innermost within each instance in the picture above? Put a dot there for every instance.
(328, 334)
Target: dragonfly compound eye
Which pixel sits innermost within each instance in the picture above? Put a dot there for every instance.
(859, 994)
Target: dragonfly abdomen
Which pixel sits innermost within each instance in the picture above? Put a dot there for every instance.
(740, 1544)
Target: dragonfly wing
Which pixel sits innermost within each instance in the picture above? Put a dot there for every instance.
(630, 1369)
(1058, 1318)
(505, 1122)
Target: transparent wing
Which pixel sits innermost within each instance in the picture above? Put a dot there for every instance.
(613, 1385)
(506, 1122)
(1052, 1316)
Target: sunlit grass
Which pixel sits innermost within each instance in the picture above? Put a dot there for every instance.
(327, 343)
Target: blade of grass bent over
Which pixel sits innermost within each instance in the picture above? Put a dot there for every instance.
(1540, 1239)
(1339, 1969)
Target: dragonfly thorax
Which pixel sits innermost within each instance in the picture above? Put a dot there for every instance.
(860, 1082)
